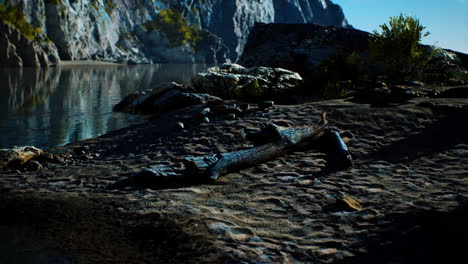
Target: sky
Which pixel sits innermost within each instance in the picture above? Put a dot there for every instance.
(446, 20)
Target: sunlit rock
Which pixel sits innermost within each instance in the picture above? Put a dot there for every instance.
(17, 156)
(235, 81)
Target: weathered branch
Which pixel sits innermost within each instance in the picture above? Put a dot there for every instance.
(283, 140)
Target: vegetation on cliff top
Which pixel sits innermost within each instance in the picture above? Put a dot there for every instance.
(176, 28)
(16, 18)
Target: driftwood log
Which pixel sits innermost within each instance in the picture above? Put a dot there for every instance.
(283, 140)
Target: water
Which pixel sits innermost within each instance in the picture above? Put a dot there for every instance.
(56, 106)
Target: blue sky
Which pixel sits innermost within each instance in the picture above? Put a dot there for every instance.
(446, 20)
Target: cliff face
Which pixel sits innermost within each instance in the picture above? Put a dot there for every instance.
(137, 31)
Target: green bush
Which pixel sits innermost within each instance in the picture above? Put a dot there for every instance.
(177, 29)
(16, 18)
(397, 48)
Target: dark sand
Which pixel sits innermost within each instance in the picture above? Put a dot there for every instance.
(410, 177)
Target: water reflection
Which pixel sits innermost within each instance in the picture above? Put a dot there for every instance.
(55, 106)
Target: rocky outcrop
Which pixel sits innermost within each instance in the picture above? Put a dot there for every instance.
(446, 66)
(162, 99)
(16, 50)
(300, 47)
(131, 31)
(17, 156)
(235, 81)
(237, 18)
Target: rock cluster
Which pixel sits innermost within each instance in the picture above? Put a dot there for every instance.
(27, 158)
(17, 156)
(226, 81)
(236, 81)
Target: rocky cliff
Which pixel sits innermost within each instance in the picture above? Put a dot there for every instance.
(137, 31)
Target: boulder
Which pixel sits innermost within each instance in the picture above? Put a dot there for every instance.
(300, 47)
(446, 66)
(165, 98)
(236, 81)
(17, 156)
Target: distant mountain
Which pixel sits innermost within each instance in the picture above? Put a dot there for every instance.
(37, 32)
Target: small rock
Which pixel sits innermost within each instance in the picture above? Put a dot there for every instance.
(231, 116)
(415, 83)
(179, 125)
(81, 150)
(206, 120)
(245, 107)
(33, 165)
(434, 93)
(381, 84)
(205, 111)
(346, 203)
(266, 104)
(219, 109)
(236, 111)
(49, 157)
(381, 91)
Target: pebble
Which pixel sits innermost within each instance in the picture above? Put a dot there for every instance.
(245, 107)
(266, 104)
(231, 116)
(33, 165)
(180, 125)
(205, 111)
(348, 204)
(415, 83)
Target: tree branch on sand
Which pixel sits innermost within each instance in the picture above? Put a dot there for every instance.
(283, 140)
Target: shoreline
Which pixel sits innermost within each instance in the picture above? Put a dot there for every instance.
(68, 63)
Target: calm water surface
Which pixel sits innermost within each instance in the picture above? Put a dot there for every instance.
(56, 106)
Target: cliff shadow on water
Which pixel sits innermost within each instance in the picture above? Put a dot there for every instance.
(56, 106)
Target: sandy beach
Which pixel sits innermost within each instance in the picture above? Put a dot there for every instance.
(409, 188)
(75, 63)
